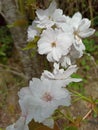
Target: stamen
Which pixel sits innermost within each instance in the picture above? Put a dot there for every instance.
(53, 44)
(47, 97)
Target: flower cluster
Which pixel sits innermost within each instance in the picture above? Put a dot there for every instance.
(60, 35)
(60, 39)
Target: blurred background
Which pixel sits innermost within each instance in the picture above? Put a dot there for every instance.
(17, 66)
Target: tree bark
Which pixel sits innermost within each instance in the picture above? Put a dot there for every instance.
(32, 66)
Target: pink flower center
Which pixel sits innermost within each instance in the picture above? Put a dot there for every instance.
(47, 97)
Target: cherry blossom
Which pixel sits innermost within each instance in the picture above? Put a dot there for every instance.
(42, 94)
(63, 76)
(55, 44)
(50, 16)
(79, 28)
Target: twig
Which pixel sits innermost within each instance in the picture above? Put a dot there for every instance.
(88, 113)
(6, 66)
(90, 9)
(16, 73)
(12, 70)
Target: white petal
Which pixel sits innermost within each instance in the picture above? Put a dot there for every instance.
(65, 61)
(64, 42)
(50, 57)
(65, 98)
(45, 23)
(79, 47)
(47, 74)
(23, 92)
(77, 43)
(52, 7)
(56, 68)
(77, 15)
(41, 14)
(19, 125)
(84, 24)
(70, 80)
(70, 70)
(76, 19)
(76, 53)
(87, 33)
(31, 33)
(56, 54)
(58, 16)
(49, 34)
(10, 127)
(44, 48)
(49, 122)
(65, 27)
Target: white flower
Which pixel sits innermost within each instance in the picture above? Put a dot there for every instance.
(83, 30)
(79, 28)
(32, 32)
(19, 125)
(63, 76)
(50, 16)
(74, 54)
(54, 43)
(42, 99)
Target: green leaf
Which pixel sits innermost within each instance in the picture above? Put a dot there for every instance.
(75, 76)
(90, 45)
(83, 62)
(32, 44)
(96, 33)
(2, 53)
(96, 61)
(71, 128)
(96, 101)
(87, 67)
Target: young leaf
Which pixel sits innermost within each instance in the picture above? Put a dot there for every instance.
(20, 22)
(30, 45)
(71, 128)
